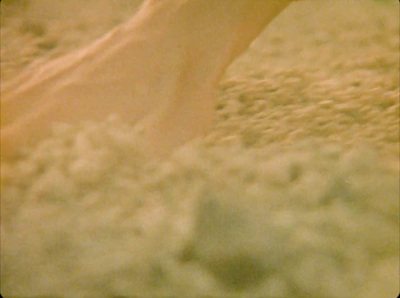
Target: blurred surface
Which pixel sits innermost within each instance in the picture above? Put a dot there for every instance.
(294, 192)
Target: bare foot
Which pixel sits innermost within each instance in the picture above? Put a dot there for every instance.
(161, 67)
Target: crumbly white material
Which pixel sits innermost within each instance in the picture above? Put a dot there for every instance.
(86, 214)
(294, 193)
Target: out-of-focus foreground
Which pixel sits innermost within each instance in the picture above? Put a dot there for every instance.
(294, 192)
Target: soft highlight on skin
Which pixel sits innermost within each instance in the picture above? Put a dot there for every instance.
(161, 67)
(284, 197)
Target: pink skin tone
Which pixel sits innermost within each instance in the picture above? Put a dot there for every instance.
(160, 70)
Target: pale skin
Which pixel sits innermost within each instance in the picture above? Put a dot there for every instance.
(159, 70)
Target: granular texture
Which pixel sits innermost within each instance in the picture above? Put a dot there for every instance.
(294, 193)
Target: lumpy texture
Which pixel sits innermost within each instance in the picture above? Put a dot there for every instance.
(293, 193)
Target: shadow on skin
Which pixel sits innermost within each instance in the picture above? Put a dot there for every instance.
(160, 70)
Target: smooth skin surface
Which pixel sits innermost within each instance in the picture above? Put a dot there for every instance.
(161, 68)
